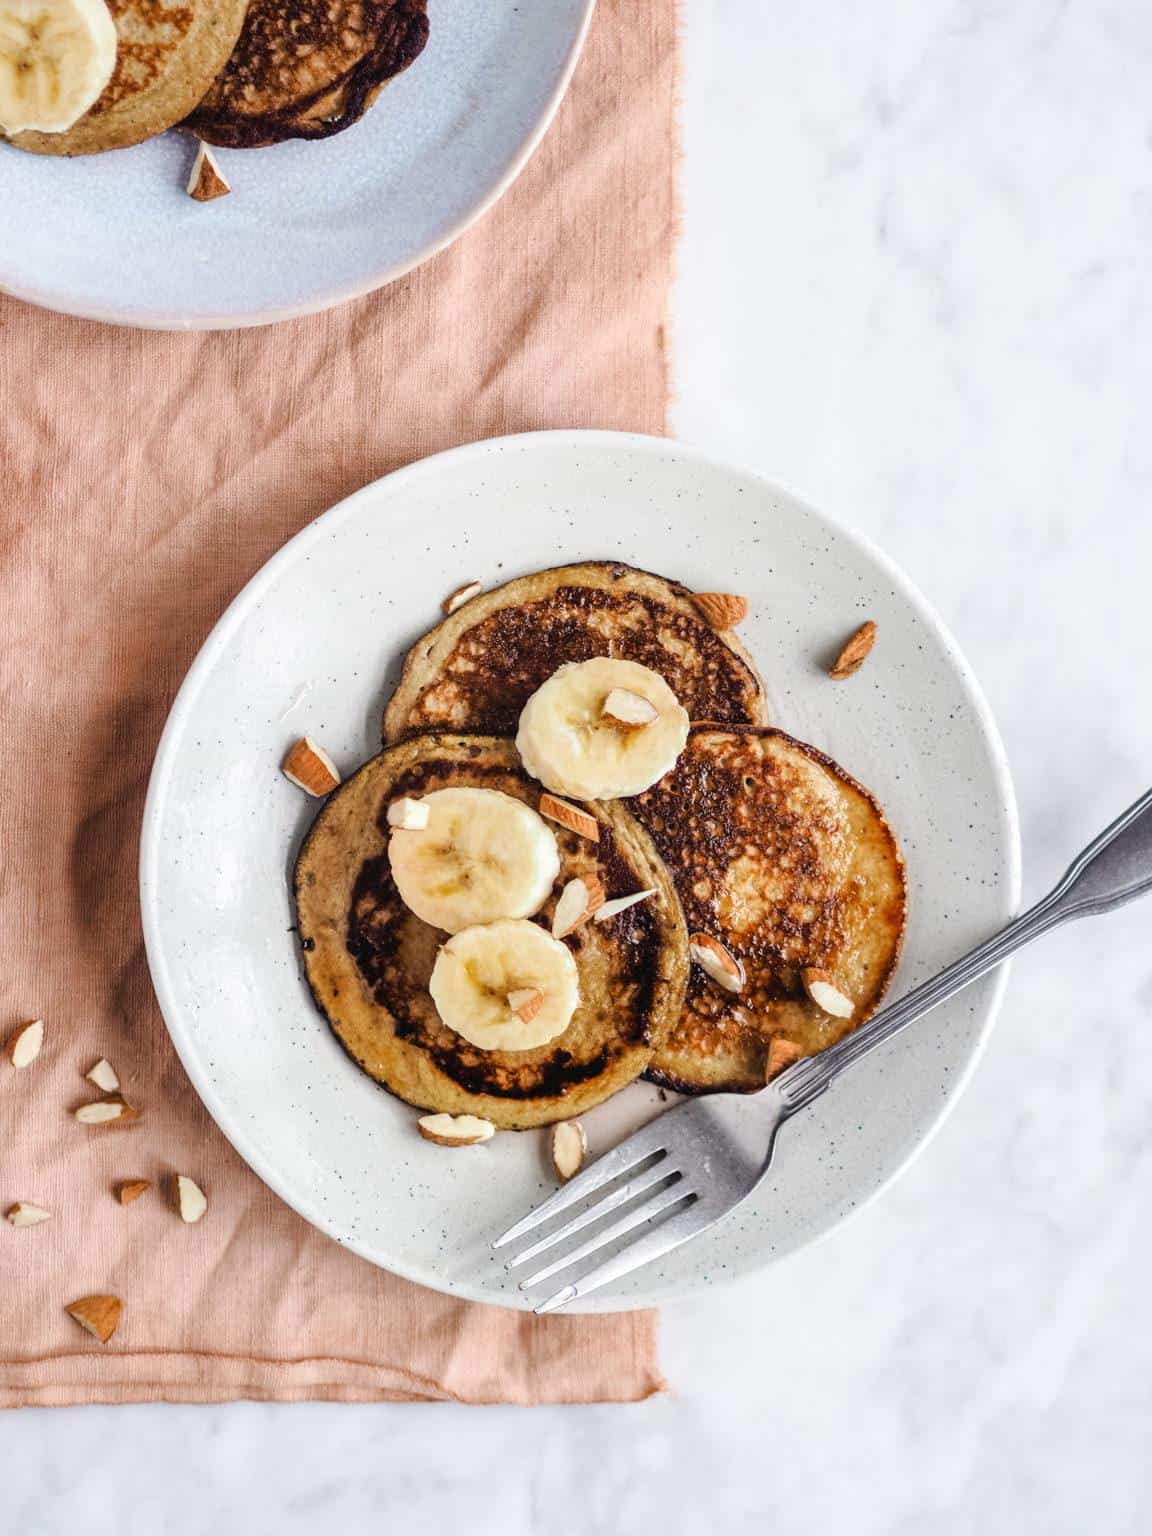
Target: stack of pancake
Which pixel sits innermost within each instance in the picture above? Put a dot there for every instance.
(243, 73)
(753, 838)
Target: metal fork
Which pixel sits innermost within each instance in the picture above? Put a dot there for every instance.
(699, 1160)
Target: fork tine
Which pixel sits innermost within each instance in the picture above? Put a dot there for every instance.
(621, 1160)
(678, 1229)
(659, 1173)
(663, 1201)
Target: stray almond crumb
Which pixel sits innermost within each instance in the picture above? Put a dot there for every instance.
(721, 609)
(131, 1189)
(310, 768)
(24, 1045)
(206, 180)
(855, 651)
(100, 1315)
(24, 1214)
(455, 1130)
(191, 1200)
(570, 816)
(104, 1076)
(461, 596)
(569, 1148)
(106, 1111)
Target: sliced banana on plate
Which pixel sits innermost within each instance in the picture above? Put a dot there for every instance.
(572, 737)
(482, 856)
(56, 56)
(482, 972)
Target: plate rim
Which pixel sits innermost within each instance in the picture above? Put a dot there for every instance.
(163, 320)
(234, 614)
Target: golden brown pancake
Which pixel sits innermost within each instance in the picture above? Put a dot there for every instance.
(306, 69)
(169, 53)
(369, 959)
(786, 860)
(476, 670)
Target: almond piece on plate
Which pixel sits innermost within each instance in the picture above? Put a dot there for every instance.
(23, 1214)
(781, 1053)
(716, 961)
(569, 1148)
(455, 1130)
(618, 904)
(570, 816)
(191, 1200)
(100, 1315)
(106, 1111)
(408, 815)
(824, 992)
(131, 1189)
(579, 899)
(461, 595)
(310, 768)
(721, 609)
(24, 1046)
(104, 1076)
(206, 180)
(854, 652)
(526, 1002)
(631, 710)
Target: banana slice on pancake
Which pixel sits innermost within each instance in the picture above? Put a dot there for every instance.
(482, 856)
(56, 56)
(602, 729)
(506, 986)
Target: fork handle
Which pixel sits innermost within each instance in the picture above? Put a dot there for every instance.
(1112, 870)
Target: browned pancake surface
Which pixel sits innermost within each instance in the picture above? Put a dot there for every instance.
(785, 859)
(476, 670)
(369, 959)
(308, 68)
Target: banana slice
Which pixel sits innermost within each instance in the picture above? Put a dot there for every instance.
(480, 970)
(482, 856)
(574, 746)
(56, 56)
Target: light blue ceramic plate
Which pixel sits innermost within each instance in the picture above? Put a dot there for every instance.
(116, 237)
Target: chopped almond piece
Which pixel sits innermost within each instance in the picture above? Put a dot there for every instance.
(781, 1053)
(526, 1002)
(131, 1189)
(310, 768)
(578, 901)
(716, 961)
(855, 652)
(100, 1315)
(570, 816)
(408, 815)
(191, 1200)
(618, 904)
(824, 992)
(206, 180)
(461, 595)
(25, 1044)
(630, 710)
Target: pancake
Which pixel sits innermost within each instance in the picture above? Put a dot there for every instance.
(170, 51)
(475, 671)
(786, 860)
(306, 69)
(368, 959)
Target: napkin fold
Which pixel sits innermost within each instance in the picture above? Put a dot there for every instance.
(143, 478)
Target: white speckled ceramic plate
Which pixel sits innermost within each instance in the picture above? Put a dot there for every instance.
(115, 236)
(312, 645)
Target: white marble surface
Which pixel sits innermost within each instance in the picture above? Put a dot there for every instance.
(916, 288)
